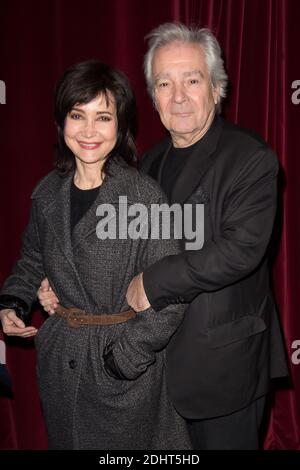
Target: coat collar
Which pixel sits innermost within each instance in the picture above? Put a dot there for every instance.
(57, 210)
(109, 192)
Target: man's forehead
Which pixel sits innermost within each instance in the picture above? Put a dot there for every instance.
(183, 74)
(186, 57)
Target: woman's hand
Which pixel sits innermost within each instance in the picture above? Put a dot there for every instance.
(136, 296)
(13, 326)
(47, 297)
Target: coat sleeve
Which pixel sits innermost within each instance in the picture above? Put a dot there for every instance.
(149, 332)
(28, 271)
(238, 245)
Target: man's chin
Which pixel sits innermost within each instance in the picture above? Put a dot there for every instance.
(183, 128)
(182, 131)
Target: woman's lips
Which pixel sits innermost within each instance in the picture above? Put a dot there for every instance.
(89, 145)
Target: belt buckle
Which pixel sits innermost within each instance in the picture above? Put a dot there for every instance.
(76, 317)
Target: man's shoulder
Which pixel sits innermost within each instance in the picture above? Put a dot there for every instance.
(239, 136)
(142, 188)
(159, 147)
(155, 152)
(139, 188)
(244, 144)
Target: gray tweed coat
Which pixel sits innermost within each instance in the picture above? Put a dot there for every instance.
(84, 408)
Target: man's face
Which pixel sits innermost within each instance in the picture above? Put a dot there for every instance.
(184, 95)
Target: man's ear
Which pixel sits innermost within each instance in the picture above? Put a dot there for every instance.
(216, 91)
(154, 102)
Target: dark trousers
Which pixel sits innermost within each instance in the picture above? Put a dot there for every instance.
(237, 431)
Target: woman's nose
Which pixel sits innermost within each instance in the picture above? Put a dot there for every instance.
(89, 129)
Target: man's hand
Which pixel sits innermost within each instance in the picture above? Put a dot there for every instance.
(136, 296)
(47, 297)
(14, 326)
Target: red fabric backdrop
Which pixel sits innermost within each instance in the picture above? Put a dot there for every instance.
(38, 40)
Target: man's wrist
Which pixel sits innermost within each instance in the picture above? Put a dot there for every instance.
(12, 302)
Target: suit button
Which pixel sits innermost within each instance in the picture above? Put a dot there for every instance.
(72, 364)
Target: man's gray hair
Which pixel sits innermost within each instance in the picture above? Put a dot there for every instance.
(176, 32)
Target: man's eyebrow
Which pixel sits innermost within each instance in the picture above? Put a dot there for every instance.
(161, 76)
(193, 72)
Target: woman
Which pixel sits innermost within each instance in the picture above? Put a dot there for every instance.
(100, 371)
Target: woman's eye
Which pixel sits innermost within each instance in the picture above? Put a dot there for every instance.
(104, 118)
(75, 116)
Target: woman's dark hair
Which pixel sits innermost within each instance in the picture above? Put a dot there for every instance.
(81, 84)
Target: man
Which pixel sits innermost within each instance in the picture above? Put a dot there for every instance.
(229, 344)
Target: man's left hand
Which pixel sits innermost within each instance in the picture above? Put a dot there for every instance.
(136, 296)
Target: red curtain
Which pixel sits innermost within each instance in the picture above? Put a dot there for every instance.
(38, 40)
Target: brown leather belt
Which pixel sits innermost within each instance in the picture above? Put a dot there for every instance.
(76, 317)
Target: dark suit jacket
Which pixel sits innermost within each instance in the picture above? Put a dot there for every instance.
(229, 343)
(5, 379)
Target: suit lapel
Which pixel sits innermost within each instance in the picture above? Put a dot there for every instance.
(58, 216)
(199, 162)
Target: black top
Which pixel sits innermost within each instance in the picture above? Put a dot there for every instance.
(173, 166)
(81, 201)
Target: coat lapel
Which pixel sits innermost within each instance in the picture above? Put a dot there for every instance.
(57, 214)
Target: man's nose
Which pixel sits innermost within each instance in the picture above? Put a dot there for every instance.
(179, 93)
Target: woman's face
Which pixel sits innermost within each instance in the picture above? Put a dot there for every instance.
(91, 130)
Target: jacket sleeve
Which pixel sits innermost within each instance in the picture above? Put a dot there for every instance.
(149, 332)
(237, 246)
(21, 286)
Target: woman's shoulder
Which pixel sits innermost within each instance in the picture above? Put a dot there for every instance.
(143, 188)
(47, 186)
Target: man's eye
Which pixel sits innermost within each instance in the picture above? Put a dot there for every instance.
(163, 84)
(194, 81)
